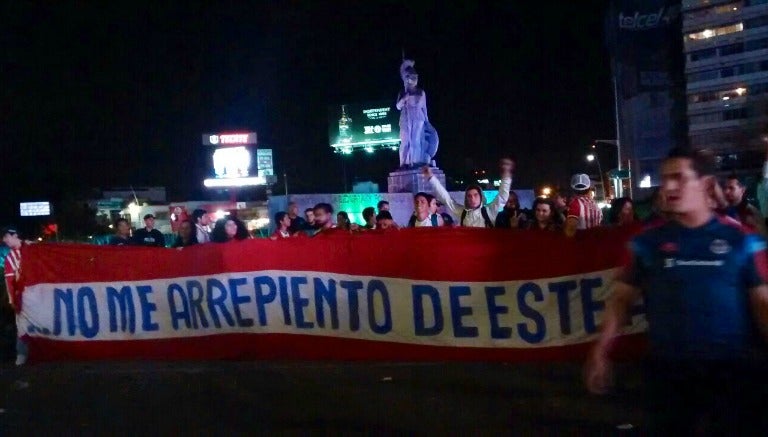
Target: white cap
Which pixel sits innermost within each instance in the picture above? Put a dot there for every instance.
(580, 181)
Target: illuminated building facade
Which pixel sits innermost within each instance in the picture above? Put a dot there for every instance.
(726, 67)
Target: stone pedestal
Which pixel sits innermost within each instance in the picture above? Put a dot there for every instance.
(412, 181)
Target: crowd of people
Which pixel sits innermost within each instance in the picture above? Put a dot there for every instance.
(698, 262)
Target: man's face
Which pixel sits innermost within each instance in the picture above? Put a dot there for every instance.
(473, 199)
(149, 223)
(421, 205)
(560, 201)
(684, 191)
(205, 220)
(543, 212)
(293, 210)
(511, 202)
(310, 216)
(285, 222)
(433, 206)
(322, 218)
(384, 207)
(123, 229)
(385, 223)
(733, 191)
(12, 241)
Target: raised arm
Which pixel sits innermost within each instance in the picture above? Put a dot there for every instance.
(507, 169)
(441, 193)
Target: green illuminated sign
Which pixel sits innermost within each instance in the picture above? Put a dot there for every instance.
(366, 127)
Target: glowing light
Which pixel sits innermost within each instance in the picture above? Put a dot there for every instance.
(483, 181)
(133, 208)
(546, 191)
(220, 214)
(741, 91)
(726, 98)
(708, 33)
(603, 205)
(369, 149)
(39, 238)
(111, 226)
(590, 157)
(646, 182)
(394, 148)
(235, 182)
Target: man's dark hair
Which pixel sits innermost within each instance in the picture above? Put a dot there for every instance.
(325, 207)
(426, 196)
(735, 177)
(198, 214)
(121, 220)
(701, 162)
(369, 213)
(309, 210)
(279, 217)
(381, 203)
(384, 215)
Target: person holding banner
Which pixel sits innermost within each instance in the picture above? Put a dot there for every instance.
(14, 287)
(704, 285)
(475, 213)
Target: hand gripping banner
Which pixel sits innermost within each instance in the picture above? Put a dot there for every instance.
(413, 294)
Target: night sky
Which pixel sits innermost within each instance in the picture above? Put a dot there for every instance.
(120, 94)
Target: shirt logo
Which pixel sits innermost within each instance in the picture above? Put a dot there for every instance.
(719, 247)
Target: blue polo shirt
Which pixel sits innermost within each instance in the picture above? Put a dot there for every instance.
(696, 284)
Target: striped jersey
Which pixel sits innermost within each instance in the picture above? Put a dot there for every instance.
(12, 270)
(586, 211)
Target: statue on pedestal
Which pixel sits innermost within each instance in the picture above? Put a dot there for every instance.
(418, 138)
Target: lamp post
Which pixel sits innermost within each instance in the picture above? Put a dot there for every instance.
(591, 158)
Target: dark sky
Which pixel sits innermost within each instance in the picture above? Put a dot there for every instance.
(120, 94)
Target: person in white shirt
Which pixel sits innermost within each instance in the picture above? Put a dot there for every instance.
(202, 221)
(423, 214)
(475, 212)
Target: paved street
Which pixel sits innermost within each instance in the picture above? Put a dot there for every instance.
(300, 398)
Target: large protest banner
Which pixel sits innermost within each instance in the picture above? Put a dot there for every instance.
(413, 294)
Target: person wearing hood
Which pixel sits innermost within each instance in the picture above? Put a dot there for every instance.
(475, 212)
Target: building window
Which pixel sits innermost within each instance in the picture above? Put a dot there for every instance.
(717, 31)
(732, 49)
(758, 44)
(755, 2)
(756, 22)
(734, 114)
(699, 55)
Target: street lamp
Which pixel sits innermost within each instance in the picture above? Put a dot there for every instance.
(591, 158)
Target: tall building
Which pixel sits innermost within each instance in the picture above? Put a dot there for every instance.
(648, 69)
(726, 67)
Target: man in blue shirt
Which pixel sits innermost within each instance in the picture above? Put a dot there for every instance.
(703, 283)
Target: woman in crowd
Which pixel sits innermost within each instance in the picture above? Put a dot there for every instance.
(229, 229)
(342, 221)
(187, 234)
(545, 216)
(622, 212)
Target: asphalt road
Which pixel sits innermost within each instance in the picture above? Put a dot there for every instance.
(310, 398)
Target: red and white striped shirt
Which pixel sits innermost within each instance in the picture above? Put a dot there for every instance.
(12, 270)
(586, 211)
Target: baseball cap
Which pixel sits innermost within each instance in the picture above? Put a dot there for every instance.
(8, 230)
(580, 181)
(149, 216)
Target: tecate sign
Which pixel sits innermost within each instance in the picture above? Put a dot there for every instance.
(229, 139)
(638, 21)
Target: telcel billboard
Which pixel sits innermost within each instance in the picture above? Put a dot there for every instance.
(232, 160)
(364, 126)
